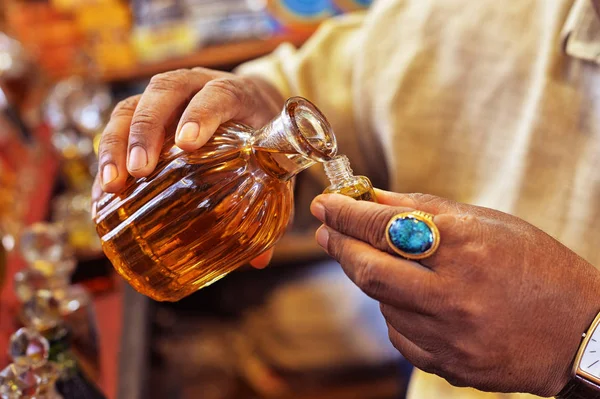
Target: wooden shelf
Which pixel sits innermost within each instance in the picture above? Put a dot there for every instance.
(210, 57)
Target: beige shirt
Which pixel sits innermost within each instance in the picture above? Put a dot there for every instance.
(470, 100)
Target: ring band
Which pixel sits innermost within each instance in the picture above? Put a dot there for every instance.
(413, 235)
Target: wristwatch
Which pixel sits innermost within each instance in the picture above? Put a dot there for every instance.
(585, 383)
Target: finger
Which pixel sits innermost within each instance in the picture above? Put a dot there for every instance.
(158, 109)
(112, 151)
(414, 326)
(97, 188)
(262, 260)
(367, 221)
(431, 350)
(384, 277)
(219, 101)
(418, 357)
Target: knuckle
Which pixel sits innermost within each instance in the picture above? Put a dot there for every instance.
(336, 247)
(143, 121)
(368, 276)
(431, 298)
(454, 374)
(229, 87)
(472, 357)
(473, 228)
(125, 108)
(427, 364)
(108, 143)
(339, 219)
(470, 312)
(436, 202)
(397, 343)
(376, 227)
(169, 81)
(210, 73)
(422, 198)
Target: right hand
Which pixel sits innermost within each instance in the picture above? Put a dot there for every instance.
(195, 102)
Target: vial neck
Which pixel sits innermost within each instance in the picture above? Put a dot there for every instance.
(338, 170)
(295, 140)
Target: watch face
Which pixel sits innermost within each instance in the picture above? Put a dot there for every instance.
(590, 359)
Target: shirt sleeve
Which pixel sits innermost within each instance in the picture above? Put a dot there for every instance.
(322, 72)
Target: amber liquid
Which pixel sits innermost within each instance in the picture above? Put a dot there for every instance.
(198, 217)
(361, 189)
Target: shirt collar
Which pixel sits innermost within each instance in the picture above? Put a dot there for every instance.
(581, 32)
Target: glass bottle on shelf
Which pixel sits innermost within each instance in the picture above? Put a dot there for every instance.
(43, 314)
(3, 264)
(203, 214)
(344, 182)
(77, 109)
(31, 374)
(72, 210)
(51, 263)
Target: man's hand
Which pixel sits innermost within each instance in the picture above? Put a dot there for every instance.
(500, 306)
(193, 103)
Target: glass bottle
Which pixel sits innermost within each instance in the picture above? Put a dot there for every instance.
(3, 264)
(42, 313)
(201, 215)
(344, 182)
(50, 264)
(31, 374)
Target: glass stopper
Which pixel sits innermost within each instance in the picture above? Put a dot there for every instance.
(49, 373)
(45, 247)
(42, 311)
(18, 383)
(27, 282)
(28, 348)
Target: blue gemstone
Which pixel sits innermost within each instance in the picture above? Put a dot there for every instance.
(411, 235)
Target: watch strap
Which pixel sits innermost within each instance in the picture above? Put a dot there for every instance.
(578, 388)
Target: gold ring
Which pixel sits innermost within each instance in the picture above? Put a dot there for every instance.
(413, 235)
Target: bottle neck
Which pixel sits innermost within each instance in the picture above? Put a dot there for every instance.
(295, 140)
(338, 171)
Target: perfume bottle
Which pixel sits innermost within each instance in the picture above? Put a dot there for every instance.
(31, 374)
(51, 262)
(3, 263)
(203, 214)
(42, 313)
(344, 182)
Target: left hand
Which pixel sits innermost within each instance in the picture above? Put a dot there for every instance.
(500, 306)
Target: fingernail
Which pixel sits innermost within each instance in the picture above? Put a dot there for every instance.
(96, 192)
(189, 132)
(93, 210)
(109, 173)
(323, 236)
(318, 210)
(138, 158)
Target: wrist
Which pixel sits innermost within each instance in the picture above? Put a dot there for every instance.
(586, 308)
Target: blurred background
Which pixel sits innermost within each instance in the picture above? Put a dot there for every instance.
(278, 333)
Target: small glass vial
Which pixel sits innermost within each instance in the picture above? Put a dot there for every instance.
(344, 182)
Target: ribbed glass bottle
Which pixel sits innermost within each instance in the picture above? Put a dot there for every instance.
(200, 215)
